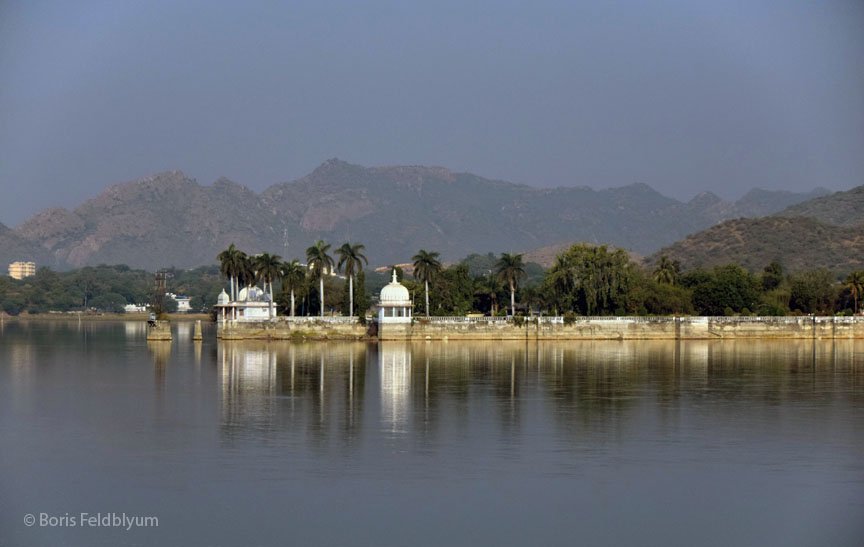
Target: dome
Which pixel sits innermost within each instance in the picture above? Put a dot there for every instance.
(394, 294)
(253, 294)
(223, 298)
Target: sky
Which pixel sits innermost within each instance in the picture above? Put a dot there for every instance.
(683, 95)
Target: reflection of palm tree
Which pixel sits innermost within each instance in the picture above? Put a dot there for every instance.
(426, 266)
(267, 268)
(351, 257)
(855, 285)
(320, 262)
(510, 269)
(293, 276)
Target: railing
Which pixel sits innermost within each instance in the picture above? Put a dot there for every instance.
(319, 320)
(461, 319)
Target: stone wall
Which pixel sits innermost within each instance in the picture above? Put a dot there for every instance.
(159, 331)
(297, 329)
(632, 328)
(586, 328)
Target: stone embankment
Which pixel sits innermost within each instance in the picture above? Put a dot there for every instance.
(300, 328)
(551, 328)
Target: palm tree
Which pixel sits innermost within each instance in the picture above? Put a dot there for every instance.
(426, 266)
(267, 268)
(855, 284)
(293, 276)
(666, 271)
(245, 271)
(320, 261)
(510, 269)
(229, 265)
(351, 257)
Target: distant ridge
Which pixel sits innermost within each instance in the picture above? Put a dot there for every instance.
(798, 243)
(169, 219)
(841, 208)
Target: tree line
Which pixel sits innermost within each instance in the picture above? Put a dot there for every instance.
(584, 280)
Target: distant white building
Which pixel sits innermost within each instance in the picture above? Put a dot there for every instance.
(252, 304)
(182, 302)
(394, 304)
(135, 308)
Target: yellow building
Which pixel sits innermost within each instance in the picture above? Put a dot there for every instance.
(20, 270)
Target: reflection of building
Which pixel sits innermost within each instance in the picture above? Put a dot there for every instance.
(248, 383)
(395, 360)
(20, 270)
(394, 306)
(252, 304)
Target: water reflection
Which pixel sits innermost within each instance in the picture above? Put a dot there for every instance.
(395, 366)
(582, 388)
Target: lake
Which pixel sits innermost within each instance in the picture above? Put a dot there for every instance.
(429, 443)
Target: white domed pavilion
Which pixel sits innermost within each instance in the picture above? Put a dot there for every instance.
(394, 304)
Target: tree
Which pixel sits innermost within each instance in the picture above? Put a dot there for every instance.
(230, 263)
(351, 259)
(812, 291)
(426, 266)
(855, 285)
(246, 275)
(667, 271)
(293, 278)
(591, 280)
(319, 261)
(772, 276)
(728, 286)
(488, 286)
(510, 269)
(267, 268)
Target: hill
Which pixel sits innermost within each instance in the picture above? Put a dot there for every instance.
(841, 208)
(798, 243)
(170, 219)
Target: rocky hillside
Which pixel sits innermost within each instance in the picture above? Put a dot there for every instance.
(799, 243)
(840, 209)
(170, 219)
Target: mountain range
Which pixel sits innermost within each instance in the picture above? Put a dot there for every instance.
(169, 219)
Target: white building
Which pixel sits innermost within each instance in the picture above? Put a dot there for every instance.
(135, 308)
(252, 304)
(182, 302)
(394, 305)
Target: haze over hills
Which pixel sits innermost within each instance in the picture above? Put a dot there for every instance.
(169, 219)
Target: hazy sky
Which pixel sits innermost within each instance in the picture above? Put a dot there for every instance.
(683, 95)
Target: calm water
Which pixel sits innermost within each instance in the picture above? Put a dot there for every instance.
(589, 443)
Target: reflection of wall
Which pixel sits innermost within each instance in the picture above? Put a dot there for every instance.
(395, 364)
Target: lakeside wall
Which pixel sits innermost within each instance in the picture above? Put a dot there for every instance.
(301, 328)
(551, 328)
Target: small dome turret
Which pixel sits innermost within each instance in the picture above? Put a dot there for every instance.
(223, 298)
(394, 294)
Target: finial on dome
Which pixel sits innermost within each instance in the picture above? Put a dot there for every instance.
(394, 276)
